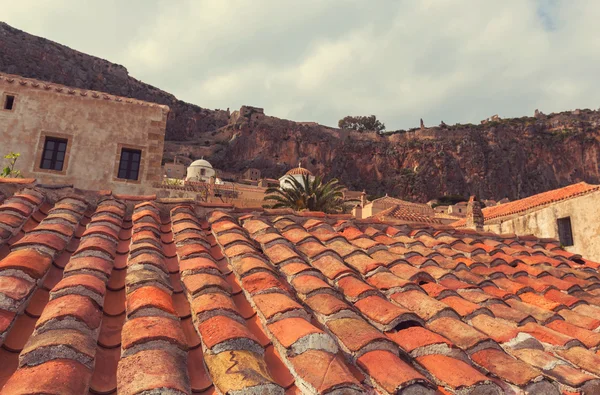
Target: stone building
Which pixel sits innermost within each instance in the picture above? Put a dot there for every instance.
(458, 210)
(570, 215)
(88, 139)
(174, 170)
(252, 174)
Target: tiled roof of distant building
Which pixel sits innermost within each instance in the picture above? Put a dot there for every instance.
(406, 213)
(534, 202)
(125, 294)
(385, 200)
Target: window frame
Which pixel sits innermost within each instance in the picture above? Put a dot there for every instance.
(39, 152)
(117, 162)
(54, 152)
(5, 97)
(565, 231)
(129, 169)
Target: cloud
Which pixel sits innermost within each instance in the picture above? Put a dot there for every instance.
(457, 61)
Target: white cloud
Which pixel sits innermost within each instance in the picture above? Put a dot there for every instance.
(458, 60)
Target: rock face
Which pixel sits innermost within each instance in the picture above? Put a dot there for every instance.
(511, 158)
(35, 57)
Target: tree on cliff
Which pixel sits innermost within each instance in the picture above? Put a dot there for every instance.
(307, 195)
(361, 123)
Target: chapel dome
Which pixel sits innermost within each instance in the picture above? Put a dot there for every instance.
(201, 163)
(299, 171)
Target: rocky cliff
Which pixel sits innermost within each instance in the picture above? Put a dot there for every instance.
(510, 158)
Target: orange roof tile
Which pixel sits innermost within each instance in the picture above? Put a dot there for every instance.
(133, 296)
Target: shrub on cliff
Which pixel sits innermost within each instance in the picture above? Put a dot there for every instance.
(312, 195)
(361, 123)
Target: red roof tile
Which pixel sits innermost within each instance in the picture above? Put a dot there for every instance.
(209, 303)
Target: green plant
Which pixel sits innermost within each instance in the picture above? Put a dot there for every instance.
(313, 195)
(9, 171)
(361, 123)
(172, 181)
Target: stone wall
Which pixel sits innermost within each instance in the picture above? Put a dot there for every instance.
(585, 223)
(97, 127)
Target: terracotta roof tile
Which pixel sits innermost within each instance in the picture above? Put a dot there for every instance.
(456, 374)
(214, 303)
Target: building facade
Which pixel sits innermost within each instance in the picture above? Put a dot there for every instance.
(175, 170)
(87, 139)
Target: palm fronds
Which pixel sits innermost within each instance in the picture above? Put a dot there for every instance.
(313, 195)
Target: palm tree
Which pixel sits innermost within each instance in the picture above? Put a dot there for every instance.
(308, 195)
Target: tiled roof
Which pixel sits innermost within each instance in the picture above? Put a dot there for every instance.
(298, 171)
(391, 200)
(404, 213)
(108, 295)
(534, 202)
(66, 90)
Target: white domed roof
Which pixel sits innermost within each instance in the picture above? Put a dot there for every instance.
(201, 163)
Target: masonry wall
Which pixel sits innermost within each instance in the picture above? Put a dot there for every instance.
(585, 224)
(96, 129)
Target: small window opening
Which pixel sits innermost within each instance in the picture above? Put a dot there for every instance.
(129, 165)
(53, 157)
(9, 103)
(565, 233)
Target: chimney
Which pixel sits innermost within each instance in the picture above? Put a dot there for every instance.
(474, 214)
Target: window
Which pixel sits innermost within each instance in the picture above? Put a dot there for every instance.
(129, 165)
(9, 102)
(565, 233)
(53, 156)
(202, 172)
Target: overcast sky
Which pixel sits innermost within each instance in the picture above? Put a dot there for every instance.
(319, 60)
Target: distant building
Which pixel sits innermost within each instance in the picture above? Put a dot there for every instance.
(570, 214)
(458, 209)
(174, 170)
(252, 174)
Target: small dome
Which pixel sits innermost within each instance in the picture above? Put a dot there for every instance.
(299, 171)
(201, 163)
